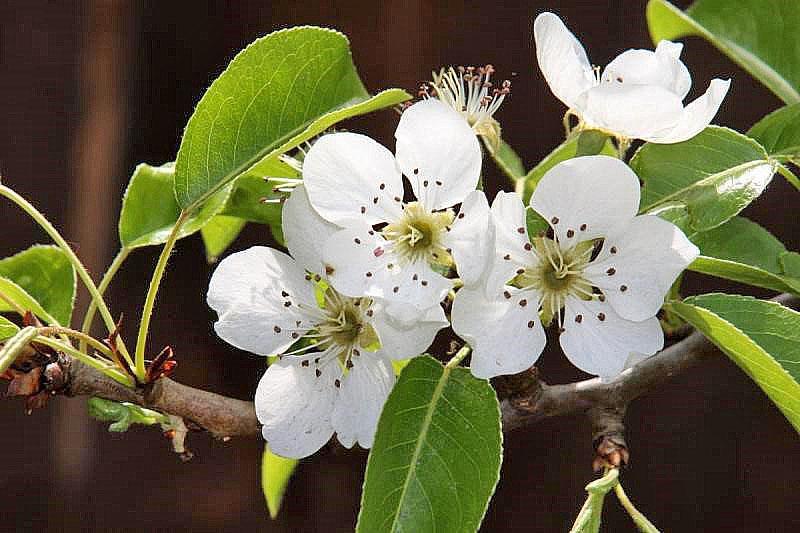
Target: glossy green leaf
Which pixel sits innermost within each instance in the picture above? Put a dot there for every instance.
(149, 209)
(7, 328)
(437, 453)
(762, 337)
(508, 160)
(219, 234)
(779, 132)
(278, 92)
(762, 36)
(743, 251)
(566, 150)
(275, 474)
(714, 175)
(42, 280)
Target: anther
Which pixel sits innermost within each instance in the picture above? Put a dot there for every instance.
(337, 383)
(578, 318)
(623, 288)
(531, 323)
(356, 353)
(382, 186)
(523, 302)
(375, 200)
(395, 289)
(276, 329)
(304, 363)
(521, 230)
(601, 316)
(287, 303)
(329, 270)
(520, 271)
(611, 271)
(424, 283)
(363, 209)
(416, 171)
(284, 294)
(439, 183)
(368, 274)
(357, 240)
(349, 364)
(318, 372)
(425, 183)
(461, 215)
(528, 246)
(295, 335)
(397, 199)
(570, 233)
(613, 249)
(554, 220)
(583, 227)
(415, 277)
(507, 295)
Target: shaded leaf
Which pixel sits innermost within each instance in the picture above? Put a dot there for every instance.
(759, 35)
(219, 234)
(7, 328)
(508, 160)
(123, 415)
(437, 453)
(275, 474)
(42, 280)
(714, 175)
(779, 132)
(591, 142)
(762, 337)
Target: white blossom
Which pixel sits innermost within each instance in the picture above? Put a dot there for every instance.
(639, 95)
(390, 248)
(335, 371)
(601, 274)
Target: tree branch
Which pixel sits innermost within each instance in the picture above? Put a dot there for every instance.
(528, 400)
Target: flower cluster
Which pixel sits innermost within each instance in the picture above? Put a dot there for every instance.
(373, 264)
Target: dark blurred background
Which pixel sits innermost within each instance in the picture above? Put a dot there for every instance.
(88, 89)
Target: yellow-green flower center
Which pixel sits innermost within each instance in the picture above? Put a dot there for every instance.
(418, 234)
(346, 326)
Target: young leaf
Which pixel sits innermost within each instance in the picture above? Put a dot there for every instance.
(7, 328)
(759, 35)
(219, 233)
(123, 415)
(437, 453)
(743, 251)
(762, 337)
(275, 474)
(714, 175)
(278, 92)
(566, 150)
(779, 132)
(507, 160)
(42, 280)
(590, 516)
(149, 209)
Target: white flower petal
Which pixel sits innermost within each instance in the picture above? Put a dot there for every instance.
(360, 264)
(586, 197)
(644, 67)
(512, 245)
(696, 116)
(562, 59)
(648, 254)
(305, 231)
(439, 153)
(362, 393)
(403, 337)
(505, 333)
(632, 111)
(351, 177)
(601, 342)
(249, 290)
(471, 238)
(294, 404)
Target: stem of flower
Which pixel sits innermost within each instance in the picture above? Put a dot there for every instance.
(150, 300)
(459, 356)
(122, 255)
(642, 523)
(789, 176)
(114, 374)
(45, 224)
(79, 335)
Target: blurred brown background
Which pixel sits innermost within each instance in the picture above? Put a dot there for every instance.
(88, 89)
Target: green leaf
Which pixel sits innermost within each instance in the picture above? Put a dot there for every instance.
(743, 251)
(507, 160)
(714, 175)
(566, 150)
(763, 338)
(42, 280)
(790, 264)
(590, 516)
(591, 142)
(275, 474)
(149, 209)
(123, 415)
(219, 234)
(779, 132)
(761, 36)
(437, 453)
(14, 346)
(7, 328)
(278, 92)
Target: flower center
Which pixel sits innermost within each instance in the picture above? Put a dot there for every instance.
(418, 234)
(345, 326)
(557, 274)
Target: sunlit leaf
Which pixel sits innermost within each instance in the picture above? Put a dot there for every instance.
(275, 474)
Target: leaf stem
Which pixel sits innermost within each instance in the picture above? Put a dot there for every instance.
(120, 258)
(459, 356)
(152, 292)
(114, 374)
(642, 523)
(79, 335)
(45, 224)
(789, 176)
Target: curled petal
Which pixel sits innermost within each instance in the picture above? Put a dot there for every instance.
(439, 153)
(661, 68)
(294, 401)
(600, 342)
(695, 116)
(351, 177)
(505, 332)
(257, 294)
(363, 391)
(586, 197)
(638, 263)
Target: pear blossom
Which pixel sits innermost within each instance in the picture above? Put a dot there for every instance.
(601, 274)
(471, 92)
(335, 370)
(390, 248)
(639, 95)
